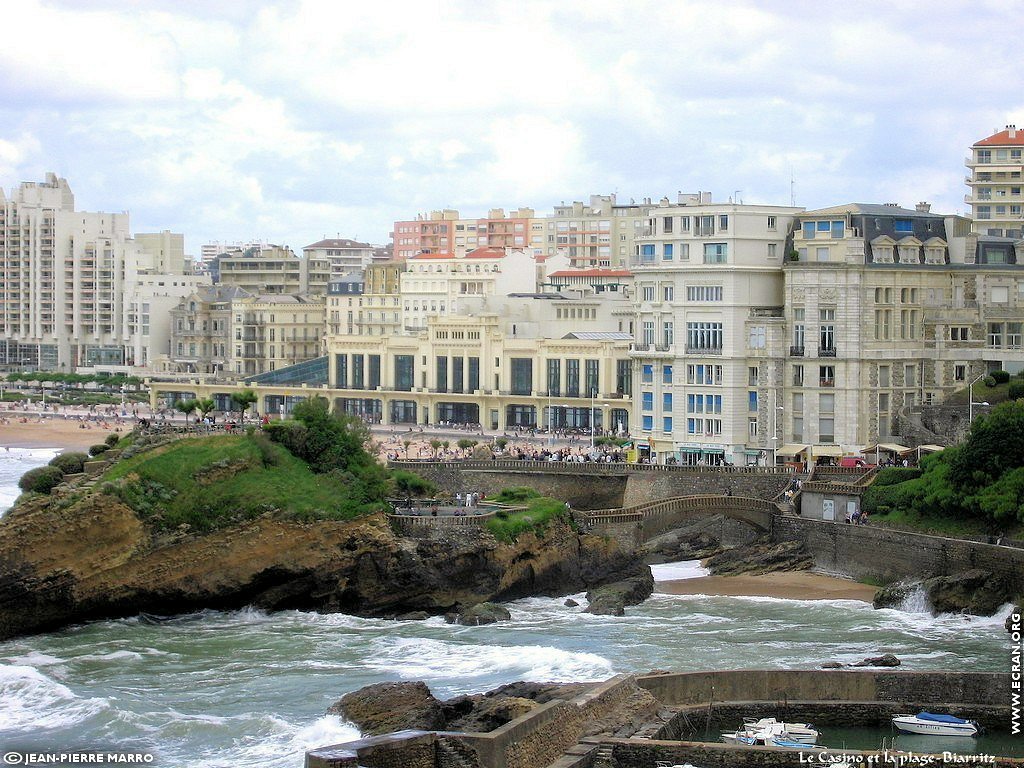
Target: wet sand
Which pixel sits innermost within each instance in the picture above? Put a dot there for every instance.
(51, 433)
(791, 585)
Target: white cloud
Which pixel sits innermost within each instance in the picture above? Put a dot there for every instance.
(302, 117)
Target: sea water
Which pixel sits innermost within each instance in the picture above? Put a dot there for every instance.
(250, 689)
(14, 462)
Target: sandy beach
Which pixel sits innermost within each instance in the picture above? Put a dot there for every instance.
(792, 585)
(51, 433)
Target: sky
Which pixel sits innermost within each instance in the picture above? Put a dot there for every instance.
(291, 121)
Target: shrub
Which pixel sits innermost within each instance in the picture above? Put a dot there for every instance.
(96, 450)
(516, 495)
(1001, 377)
(268, 454)
(41, 479)
(407, 483)
(1016, 390)
(989, 381)
(69, 463)
(112, 439)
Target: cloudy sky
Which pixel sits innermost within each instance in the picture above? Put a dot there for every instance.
(297, 119)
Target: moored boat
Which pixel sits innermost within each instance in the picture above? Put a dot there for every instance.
(930, 724)
(771, 732)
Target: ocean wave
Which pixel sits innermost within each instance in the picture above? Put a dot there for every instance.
(677, 571)
(30, 699)
(424, 659)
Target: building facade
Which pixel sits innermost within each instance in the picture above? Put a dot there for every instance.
(274, 269)
(996, 165)
(76, 290)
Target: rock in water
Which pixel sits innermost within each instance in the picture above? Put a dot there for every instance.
(974, 591)
(612, 599)
(386, 707)
(481, 613)
(570, 603)
(885, 660)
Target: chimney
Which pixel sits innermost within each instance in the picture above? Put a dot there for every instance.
(924, 207)
(1011, 131)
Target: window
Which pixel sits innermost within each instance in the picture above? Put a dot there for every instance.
(821, 253)
(798, 375)
(623, 377)
(554, 378)
(752, 428)
(772, 225)
(884, 376)
(647, 252)
(826, 337)
(995, 334)
(668, 334)
(827, 430)
(723, 223)
(666, 252)
(648, 332)
(703, 374)
(684, 223)
(572, 378)
(1013, 335)
(522, 375)
(684, 251)
(758, 335)
(798, 403)
(705, 225)
(647, 293)
(826, 375)
(959, 372)
(704, 337)
(798, 428)
(903, 226)
(668, 292)
(666, 424)
(716, 253)
(1000, 294)
(666, 225)
(703, 403)
(959, 333)
(883, 321)
(703, 293)
(773, 250)
(647, 401)
(752, 373)
(798, 330)
(666, 402)
(752, 401)
(647, 374)
(910, 375)
(827, 403)
(648, 423)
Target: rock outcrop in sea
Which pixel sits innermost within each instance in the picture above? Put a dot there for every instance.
(87, 556)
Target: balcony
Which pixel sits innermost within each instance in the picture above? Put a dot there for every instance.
(796, 351)
(703, 350)
(830, 352)
(826, 382)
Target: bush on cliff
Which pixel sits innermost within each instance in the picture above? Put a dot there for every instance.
(981, 480)
(335, 444)
(405, 483)
(207, 483)
(69, 463)
(41, 479)
(96, 450)
(538, 513)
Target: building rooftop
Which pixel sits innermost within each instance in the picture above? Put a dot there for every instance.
(591, 273)
(599, 336)
(338, 243)
(1007, 137)
(486, 253)
(870, 209)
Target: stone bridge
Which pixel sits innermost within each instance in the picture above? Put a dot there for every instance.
(641, 522)
(601, 485)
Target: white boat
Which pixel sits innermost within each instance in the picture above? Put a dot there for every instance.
(771, 732)
(935, 725)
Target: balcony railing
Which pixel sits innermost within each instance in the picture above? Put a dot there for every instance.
(703, 350)
(830, 352)
(796, 351)
(826, 382)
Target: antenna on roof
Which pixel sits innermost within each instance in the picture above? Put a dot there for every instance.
(792, 188)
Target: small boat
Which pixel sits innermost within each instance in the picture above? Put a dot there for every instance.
(770, 732)
(935, 725)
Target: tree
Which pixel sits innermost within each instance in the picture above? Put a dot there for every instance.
(407, 443)
(186, 407)
(994, 447)
(435, 444)
(243, 400)
(205, 405)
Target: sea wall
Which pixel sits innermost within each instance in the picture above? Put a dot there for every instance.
(884, 554)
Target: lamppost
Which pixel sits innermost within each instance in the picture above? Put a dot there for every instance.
(593, 420)
(970, 400)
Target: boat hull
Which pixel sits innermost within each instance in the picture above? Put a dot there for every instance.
(926, 728)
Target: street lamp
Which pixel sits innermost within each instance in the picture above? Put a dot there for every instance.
(970, 400)
(593, 420)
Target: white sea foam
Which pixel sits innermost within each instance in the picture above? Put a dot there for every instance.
(29, 699)
(684, 569)
(14, 462)
(422, 659)
(112, 656)
(35, 659)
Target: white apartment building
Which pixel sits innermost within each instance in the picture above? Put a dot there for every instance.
(77, 291)
(997, 166)
(343, 256)
(434, 284)
(274, 269)
(708, 295)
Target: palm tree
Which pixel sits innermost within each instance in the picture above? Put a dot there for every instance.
(243, 400)
(186, 407)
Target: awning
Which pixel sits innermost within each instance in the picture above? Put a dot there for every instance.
(929, 448)
(752, 451)
(689, 450)
(791, 449)
(834, 451)
(887, 448)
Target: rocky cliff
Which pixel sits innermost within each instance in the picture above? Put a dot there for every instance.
(88, 556)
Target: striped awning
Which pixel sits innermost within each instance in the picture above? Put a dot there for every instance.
(791, 449)
(833, 451)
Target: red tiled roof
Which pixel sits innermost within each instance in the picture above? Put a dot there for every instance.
(432, 256)
(592, 273)
(486, 253)
(1003, 139)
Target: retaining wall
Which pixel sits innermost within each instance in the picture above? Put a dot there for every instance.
(873, 552)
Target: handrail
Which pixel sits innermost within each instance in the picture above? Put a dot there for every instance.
(711, 502)
(595, 467)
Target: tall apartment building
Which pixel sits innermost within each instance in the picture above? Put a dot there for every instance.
(202, 332)
(274, 269)
(997, 164)
(76, 289)
(208, 251)
(370, 305)
(708, 295)
(445, 234)
(342, 255)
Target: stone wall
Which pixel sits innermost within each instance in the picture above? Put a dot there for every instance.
(652, 486)
(873, 552)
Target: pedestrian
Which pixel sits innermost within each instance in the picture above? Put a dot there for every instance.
(458, 499)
